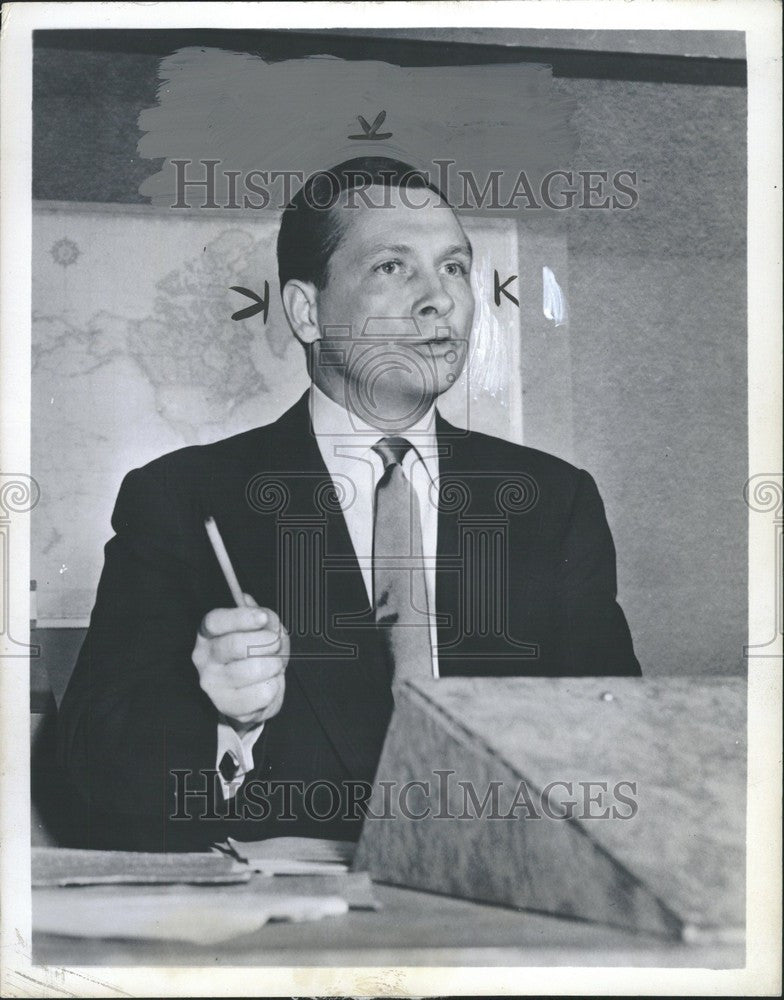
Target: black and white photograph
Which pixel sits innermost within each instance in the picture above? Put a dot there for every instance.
(391, 499)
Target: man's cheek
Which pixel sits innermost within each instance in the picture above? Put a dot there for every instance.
(368, 319)
(380, 301)
(462, 318)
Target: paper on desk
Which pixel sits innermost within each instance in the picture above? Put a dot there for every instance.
(66, 866)
(198, 916)
(355, 887)
(295, 855)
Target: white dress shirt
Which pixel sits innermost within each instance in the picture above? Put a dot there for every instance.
(346, 445)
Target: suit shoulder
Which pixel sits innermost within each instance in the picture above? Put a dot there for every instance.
(508, 456)
(199, 459)
(557, 485)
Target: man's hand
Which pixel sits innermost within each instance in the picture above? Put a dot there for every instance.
(241, 655)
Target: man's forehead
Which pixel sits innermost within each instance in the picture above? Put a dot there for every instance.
(391, 221)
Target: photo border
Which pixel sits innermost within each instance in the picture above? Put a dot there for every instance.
(761, 20)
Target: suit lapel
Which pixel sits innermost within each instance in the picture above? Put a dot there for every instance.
(488, 526)
(337, 665)
(453, 498)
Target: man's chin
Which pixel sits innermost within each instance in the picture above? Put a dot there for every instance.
(393, 409)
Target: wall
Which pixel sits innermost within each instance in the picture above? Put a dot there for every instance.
(657, 341)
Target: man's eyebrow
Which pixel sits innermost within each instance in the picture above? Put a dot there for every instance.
(402, 248)
(464, 248)
(374, 248)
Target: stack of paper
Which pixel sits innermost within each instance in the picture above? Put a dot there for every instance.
(157, 903)
(295, 855)
(199, 915)
(60, 866)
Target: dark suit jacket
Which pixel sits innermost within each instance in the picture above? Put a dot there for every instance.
(525, 585)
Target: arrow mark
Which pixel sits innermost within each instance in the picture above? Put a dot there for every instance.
(371, 131)
(261, 304)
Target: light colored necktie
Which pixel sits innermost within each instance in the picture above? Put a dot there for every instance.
(399, 590)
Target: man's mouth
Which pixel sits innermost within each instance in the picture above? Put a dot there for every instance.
(434, 343)
(438, 345)
(436, 340)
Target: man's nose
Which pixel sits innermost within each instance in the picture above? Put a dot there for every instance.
(433, 299)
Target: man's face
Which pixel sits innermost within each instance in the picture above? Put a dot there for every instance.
(397, 308)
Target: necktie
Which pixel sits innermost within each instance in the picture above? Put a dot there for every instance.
(400, 595)
(228, 767)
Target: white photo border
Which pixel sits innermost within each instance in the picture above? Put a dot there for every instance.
(761, 21)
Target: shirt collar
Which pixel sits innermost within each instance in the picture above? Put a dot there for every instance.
(333, 425)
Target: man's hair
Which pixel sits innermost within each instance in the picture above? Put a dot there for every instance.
(312, 225)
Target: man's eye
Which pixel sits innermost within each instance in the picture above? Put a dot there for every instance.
(389, 267)
(455, 269)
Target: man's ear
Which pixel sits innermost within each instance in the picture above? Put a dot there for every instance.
(301, 307)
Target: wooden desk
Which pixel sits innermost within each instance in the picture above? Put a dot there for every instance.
(411, 929)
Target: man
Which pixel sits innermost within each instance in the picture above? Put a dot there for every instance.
(373, 540)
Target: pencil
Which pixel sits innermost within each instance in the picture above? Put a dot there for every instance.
(225, 563)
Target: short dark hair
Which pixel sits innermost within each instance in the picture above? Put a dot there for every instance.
(311, 228)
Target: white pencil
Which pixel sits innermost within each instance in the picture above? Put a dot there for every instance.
(225, 563)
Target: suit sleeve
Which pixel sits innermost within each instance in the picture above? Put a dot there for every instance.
(596, 635)
(133, 713)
